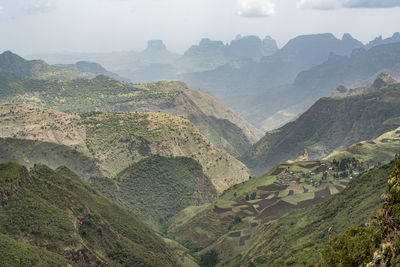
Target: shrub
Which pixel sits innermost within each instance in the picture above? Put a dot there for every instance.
(209, 259)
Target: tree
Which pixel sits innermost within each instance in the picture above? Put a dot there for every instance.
(247, 197)
(253, 195)
(209, 259)
(355, 247)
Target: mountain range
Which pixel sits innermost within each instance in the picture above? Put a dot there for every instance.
(219, 123)
(329, 124)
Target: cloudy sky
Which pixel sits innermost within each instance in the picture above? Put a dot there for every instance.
(34, 26)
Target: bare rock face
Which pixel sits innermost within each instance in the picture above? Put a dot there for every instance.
(384, 80)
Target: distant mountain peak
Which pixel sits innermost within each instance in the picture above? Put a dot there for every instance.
(380, 41)
(10, 56)
(209, 42)
(156, 45)
(347, 36)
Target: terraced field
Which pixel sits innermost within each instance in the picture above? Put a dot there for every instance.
(230, 224)
(374, 152)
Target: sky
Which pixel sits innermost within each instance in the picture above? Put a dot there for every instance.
(50, 26)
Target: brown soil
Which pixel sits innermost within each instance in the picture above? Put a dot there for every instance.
(235, 234)
(291, 193)
(264, 196)
(254, 224)
(310, 166)
(359, 144)
(228, 218)
(353, 150)
(338, 187)
(319, 197)
(251, 209)
(272, 187)
(221, 210)
(277, 171)
(305, 190)
(275, 211)
(242, 203)
(266, 203)
(372, 142)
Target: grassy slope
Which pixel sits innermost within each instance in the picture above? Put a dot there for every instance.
(14, 253)
(56, 210)
(157, 187)
(328, 125)
(382, 149)
(298, 238)
(291, 186)
(117, 140)
(214, 119)
(30, 152)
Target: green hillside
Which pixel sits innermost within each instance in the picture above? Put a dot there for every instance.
(56, 211)
(14, 253)
(116, 140)
(30, 152)
(373, 152)
(298, 238)
(158, 187)
(232, 223)
(220, 124)
(330, 124)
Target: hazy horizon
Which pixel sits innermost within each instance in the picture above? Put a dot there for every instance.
(52, 26)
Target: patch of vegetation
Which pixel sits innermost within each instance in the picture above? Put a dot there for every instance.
(157, 188)
(13, 253)
(356, 247)
(209, 259)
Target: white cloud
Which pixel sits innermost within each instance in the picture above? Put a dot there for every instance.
(1, 9)
(333, 4)
(255, 8)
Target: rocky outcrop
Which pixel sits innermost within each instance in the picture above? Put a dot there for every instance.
(382, 81)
